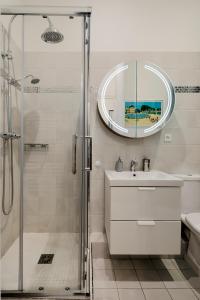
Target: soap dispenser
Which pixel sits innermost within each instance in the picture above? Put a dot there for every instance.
(119, 165)
(146, 164)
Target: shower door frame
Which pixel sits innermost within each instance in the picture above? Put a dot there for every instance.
(85, 14)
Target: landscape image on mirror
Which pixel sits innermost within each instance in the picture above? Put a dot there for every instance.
(142, 113)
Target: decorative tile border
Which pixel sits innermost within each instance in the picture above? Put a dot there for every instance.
(187, 89)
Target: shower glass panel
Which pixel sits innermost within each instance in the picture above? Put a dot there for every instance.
(46, 254)
(52, 110)
(10, 107)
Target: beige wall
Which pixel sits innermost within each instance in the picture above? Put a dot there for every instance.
(51, 200)
(180, 156)
(132, 25)
(163, 32)
(51, 191)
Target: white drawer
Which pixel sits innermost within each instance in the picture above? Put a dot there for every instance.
(144, 237)
(145, 203)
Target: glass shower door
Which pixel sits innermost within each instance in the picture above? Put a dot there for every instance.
(55, 159)
(52, 213)
(10, 107)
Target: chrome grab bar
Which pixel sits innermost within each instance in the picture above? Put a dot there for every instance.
(74, 153)
(74, 149)
(9, 135)
(89, 151)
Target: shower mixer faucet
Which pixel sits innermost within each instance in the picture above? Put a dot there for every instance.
(9, 135)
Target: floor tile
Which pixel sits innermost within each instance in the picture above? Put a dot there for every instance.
(104, 279)
(127, 279)
(164, 263)
(102, 264)
(149, 279)
(142, 264)
(106, 294)
(100, 250)
(181, 263)
(173, 279)
(130, 294)
(192, 278)
(122, 264)
(182, 294)
(98, 237)
(156, 294)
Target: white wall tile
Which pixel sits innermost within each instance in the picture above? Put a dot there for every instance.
(53, 119)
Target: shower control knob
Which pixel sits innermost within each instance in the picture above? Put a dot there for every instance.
(15, 136)
(9, 135)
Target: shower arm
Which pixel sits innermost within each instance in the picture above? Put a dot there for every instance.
(49, 21)
(15, 82)
(27, 76)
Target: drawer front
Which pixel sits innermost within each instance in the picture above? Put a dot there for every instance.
(145, 203)
(145, 237)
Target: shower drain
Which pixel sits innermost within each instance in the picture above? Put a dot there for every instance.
(46, 259)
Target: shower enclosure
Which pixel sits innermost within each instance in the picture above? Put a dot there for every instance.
(45, 151)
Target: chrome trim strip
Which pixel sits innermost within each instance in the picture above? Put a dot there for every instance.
(73, 295)
(85, 192)
(45, 10)
(21, 207)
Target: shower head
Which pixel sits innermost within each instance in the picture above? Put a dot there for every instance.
(15, 82)
(51, 35)
(35, 80)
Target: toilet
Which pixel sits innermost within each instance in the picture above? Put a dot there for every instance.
(190, 215)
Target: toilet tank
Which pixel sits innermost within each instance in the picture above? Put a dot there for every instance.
(190, 193)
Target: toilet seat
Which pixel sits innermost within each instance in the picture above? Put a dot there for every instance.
(193, 221)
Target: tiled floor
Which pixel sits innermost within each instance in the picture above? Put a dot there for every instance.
(131, 278)
(62, 273)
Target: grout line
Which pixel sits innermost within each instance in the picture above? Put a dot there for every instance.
(144, 294)
(160, 278)
(118, 293)
(194, 294)
(138, 279)
(169, 294)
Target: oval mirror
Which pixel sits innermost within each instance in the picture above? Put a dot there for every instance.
(136, 99)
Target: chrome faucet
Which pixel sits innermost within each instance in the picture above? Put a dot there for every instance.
(133, 165)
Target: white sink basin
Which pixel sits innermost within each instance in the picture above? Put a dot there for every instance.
(140, 178)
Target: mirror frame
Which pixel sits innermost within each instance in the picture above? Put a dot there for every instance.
(119, 130)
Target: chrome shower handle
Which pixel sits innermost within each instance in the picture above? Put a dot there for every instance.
(9, 135)
(74, 149)
(89, 153)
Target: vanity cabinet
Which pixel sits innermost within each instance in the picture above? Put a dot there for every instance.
(142, 220)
